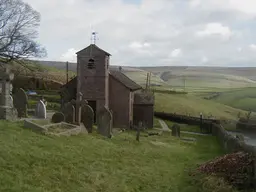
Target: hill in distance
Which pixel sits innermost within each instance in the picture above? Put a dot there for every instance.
(191, 77)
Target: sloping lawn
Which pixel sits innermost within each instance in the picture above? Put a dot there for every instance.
(33, 162)
(191, 105)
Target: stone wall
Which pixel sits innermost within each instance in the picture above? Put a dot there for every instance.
(190, 120)
(229, 142)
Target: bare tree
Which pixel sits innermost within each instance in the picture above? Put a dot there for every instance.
(18, 31)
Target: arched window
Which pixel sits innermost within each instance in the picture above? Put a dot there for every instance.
(91, 64)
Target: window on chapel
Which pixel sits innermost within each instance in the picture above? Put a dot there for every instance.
(91, 64)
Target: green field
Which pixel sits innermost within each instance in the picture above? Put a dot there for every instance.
(192, 105)
(241, 98)
(34, 162)
(140, 77)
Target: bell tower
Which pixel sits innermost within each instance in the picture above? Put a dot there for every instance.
(93, 76)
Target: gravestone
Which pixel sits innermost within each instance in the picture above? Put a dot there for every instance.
(41, 110)
(7, 111)
(176, 130)
(69, 112)
(87, 117)
(58, 117)
(104, 121)
(20, 102)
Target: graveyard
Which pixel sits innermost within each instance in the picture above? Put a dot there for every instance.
(150, 119)
(36, 162)
(64, 144)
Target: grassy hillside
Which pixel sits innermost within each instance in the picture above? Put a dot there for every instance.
(192, 78)
(33, 162)
(205, 77)
(189, 104)
(241, 98)
(37, 70)
(140, 77)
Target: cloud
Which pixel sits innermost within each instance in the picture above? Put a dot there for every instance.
(215, 29)
(239, 49)
(138, 45)
(253, 47)
(204, 59)
(176, 53)
(150, 32)
(70, 55)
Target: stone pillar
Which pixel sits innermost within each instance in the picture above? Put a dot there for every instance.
(6, 110)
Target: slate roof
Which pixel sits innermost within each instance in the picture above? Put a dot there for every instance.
(93, 46)
(119, 76)
(126, 81)
(71, 82)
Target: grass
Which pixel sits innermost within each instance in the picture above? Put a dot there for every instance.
(50, 105)
(34, 162)
(241, 98)
(52, 98)
(41, 121)
(58, 128)
(34, 68)
(191, 105)
(156, 123)
(140, 77)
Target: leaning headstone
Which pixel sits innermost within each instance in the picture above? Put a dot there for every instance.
(41, 110)
(69, 112)
(20, 102)
(104, 121)
(176, 130)
(58, 117)
(87, 117)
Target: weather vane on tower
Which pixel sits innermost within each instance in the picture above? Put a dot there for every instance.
(94, 37)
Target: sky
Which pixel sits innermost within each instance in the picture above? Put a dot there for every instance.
(151, 32)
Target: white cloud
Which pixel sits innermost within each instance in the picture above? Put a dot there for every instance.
(176, 53)
(239, 49)
(215, 29)
(138, 45)
(245, 6)
(253, 47)
(70, 55)
(194, 3)
(150, 32)
(204, 59)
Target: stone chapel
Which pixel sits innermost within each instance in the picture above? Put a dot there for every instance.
(100, 86)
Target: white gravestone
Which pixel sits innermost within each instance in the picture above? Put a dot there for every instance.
(41, 110)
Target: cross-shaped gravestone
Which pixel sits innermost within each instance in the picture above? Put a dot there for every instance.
(79, 103)
(6, 110)
(5, 78)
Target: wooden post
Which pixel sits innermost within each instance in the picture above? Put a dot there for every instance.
(147, 82)
(138, 131)
(201, 122)
(67, 70)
